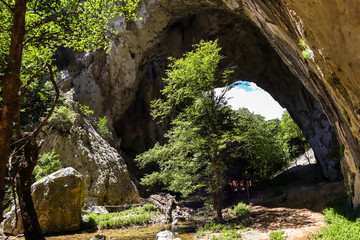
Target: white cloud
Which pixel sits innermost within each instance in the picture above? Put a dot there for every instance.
(257, 101)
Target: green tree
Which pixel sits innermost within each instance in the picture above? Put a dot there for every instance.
(293, 140)
(202, 130)
(261, 136)
(30, 32)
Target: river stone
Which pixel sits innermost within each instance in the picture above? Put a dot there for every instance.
(58, 200)
(166, 235)
(99, 236)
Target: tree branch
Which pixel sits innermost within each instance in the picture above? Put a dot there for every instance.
(22, 93)
(42, 124)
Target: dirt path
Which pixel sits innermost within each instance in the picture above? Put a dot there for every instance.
(296, 207)
(296, 223)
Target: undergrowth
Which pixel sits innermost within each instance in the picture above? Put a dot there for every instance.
(343, 222)
(230, 229)
(277, 235)
(134, 216)
(217, 231)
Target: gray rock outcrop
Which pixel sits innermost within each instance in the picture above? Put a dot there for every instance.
(58, 200)
(107, 180)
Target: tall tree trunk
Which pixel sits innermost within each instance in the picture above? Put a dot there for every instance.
(10, 90)
(218, 203)
(32, 230)
(218, 194)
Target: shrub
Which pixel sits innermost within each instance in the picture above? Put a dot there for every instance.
(48, 163)
(61, 119)
(102, 127)
(86, 110)
(277, 235)
(242, 211)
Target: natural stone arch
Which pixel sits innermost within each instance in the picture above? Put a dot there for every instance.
(328, 80)
(244, 46)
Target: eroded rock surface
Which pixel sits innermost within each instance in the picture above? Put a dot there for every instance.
(58, 200)
(261, 37)
(107, 181)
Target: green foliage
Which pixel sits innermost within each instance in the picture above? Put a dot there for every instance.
(277, 235)
(292, 138)
(202, 131)
(242, 211)
(61, 112)
(343, 221)
(37, 101)
(347, 118)
(102, 127)
(188, 78)
(306, 50)
(80, 25)
(225, 231)
(133, 216)
(86, 110)
(266, 155)
(61, 119)
(47, 164)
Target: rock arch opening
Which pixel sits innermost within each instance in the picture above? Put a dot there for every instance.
(244, 46)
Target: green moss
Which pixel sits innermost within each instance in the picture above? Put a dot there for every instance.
(347, 118)
(336, 152)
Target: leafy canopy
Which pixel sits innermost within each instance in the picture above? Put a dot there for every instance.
(201, 133)
(81, 25)
(189, 77)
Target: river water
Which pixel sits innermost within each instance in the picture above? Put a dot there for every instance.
(185, 231)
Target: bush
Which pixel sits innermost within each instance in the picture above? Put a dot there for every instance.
(48, 163)
(133, 216)
(242, 211)
(86, 110)
(102, 127)
(277, 235)
(61, 119)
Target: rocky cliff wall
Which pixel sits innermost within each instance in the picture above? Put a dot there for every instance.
(262, 38)
(74, 139)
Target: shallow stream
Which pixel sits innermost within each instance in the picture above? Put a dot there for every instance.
(185, 231)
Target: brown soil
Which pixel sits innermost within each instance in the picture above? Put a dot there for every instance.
(296, 223)
(295, 208)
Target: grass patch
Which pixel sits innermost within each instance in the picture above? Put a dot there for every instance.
(343, 221)
(218, 231)
(134, 216)
(277, 235)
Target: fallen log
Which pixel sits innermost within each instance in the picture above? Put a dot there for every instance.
(168, 205)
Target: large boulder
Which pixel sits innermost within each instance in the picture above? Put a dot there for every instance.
(58, 200)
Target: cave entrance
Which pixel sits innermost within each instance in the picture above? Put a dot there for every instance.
(244, 46)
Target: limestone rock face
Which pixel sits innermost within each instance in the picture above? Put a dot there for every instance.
(58, 200)
(107, 181)
(262, 37)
